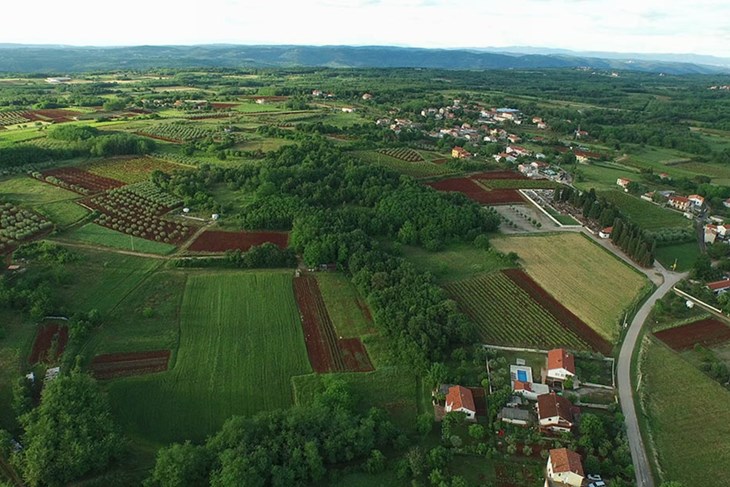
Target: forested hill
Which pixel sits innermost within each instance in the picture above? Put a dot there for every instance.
(66, 59)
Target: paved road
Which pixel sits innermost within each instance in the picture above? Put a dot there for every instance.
(624, 383)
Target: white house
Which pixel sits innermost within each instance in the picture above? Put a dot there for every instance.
(605, 232)
(623, 182)
(461, 399)
(564, 469)
(696, 200)
(555, 413)
(560, 364)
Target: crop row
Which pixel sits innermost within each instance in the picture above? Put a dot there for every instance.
(12, 118)
(148, 190)
(506, 314)
(176, 132)
(403, 153)
(77, 180)
(17, 225)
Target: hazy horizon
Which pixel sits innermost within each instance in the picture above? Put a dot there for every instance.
(643, 27)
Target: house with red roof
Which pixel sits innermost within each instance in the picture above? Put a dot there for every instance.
(555, 413)
(517, 151)
(560, 364)
(623, 182)
(605, 232)
(679, 202)
(696, 200)
(461, 399)
(460, 153)
(564, 469)
(719, 287)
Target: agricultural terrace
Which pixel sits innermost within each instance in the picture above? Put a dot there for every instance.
(595, 285)
(688, 415)
(131, 169)
(507, 315)
(241, 341)
(646, 215)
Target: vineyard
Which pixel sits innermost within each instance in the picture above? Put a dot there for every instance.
(506, 314)
(77, 180)
(130, 169)
(131, 213)
(326, 352)
(403, 154)
(18, 225)
(12, 118)
(176, 132)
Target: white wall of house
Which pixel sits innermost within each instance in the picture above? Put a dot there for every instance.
(568, 478)
(554, 423)
(560, 373)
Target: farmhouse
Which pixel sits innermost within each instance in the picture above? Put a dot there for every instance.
(679, 202)
(560, 364)
(696, 200)
(461, 399)
(564, 469)
(623, 182)
(585, 156)
(517, 151)
(516, 416)
(460, 153)
(606, 232)
(555, 413)
(719, 287)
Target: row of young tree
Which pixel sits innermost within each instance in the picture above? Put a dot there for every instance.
(629, 237)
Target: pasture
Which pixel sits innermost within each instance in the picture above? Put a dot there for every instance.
(505, 314)
(240, 343)
(647, 215)
(595, 285)
(688, 415)
(94, 234)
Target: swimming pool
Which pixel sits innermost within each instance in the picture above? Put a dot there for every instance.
(522, 376)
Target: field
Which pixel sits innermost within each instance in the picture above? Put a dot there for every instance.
(477, 193)
(131, 169)
(49, 343)
(586, 279)
(176, 132)
(78, 180)
(349, 312)
(647, 215)
(689, 417)
(18, 225)
(56, 204)
(458, 261)
(218, 241)
(683, 254)
(602, 178)
(422, 169)
(327, 352)
(563, 219)
(706, 332)
(505, 314)
(403, 154)
(94, 234)
(110, 366)
(240, 343)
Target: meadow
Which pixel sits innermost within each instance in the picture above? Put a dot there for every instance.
(688, 415)
(683, 254)
(241, 342)
(647, 215)
(458, 261)
(56, 204)
(94, 234)
(349, 312)
(595, 285)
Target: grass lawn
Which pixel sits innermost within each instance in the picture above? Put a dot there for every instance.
(241, 341)
(647, 215)
(457, 262)
(594, 284)
(563, 219)
(685, 255)
(348, 311)
(94, 234)
(689, 417)
(102, 279)
(55, 203)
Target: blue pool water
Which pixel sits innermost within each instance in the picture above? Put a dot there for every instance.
(522, 376)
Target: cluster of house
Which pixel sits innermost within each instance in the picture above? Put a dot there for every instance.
(689, 205)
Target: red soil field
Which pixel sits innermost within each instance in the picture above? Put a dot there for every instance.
(55, 115)
(44, 340)
(502, 196)
(219, 241)
(83, 179)
(499, 175)
(562, 314)
(475, 192)
(705, 332)
(326, 352)
(223, 106)
(113, 365)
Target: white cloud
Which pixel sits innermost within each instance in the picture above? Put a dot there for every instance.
(701, 26)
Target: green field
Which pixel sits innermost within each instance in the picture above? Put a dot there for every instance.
(719, 173)
(348, 311)
(689, 417)
(647, 215)
(55, 203)
(683, 254)
(506, 315)
(588, 280)
(601, 177)
(456, 262)
(563, 219)
(241, 342)
(94, 234)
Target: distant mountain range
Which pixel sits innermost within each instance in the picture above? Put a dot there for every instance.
(52, 59)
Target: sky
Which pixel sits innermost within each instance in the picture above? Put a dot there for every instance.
(645, 26)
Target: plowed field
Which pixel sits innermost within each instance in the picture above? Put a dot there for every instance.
(113, 365)
(704, 332)
(218, 241)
